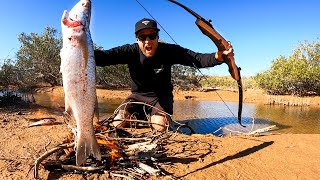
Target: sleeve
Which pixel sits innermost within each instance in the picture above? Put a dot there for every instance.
(188, 57)
(117, 55)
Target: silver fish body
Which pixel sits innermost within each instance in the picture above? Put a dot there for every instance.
(78, 74)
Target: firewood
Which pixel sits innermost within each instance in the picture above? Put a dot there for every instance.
(144, 147)
(149, 169)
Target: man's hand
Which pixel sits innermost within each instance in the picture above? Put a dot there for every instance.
(221, 55)
(227, 57)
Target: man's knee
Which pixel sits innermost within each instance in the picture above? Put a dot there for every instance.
(160, 122)
(120, 119)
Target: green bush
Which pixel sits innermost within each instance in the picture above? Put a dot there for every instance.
(227, 82)
(299, 74)
(38, 59)
(8, 73)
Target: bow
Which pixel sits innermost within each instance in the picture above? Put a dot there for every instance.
(222, 45)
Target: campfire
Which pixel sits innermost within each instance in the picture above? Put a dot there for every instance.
(127, 153)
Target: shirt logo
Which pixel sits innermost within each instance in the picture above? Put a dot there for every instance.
(145, 22)
(157, 71)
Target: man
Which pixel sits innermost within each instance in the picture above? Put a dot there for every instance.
(149, 63)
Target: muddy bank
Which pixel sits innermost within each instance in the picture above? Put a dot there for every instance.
(273, 156)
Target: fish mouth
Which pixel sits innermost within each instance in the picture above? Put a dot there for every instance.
(76, 22)
(71, 23)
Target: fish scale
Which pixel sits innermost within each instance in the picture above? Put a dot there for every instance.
(78, 70)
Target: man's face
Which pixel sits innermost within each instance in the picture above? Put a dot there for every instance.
(147, 40)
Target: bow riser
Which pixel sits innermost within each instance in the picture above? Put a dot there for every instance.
(222, 45)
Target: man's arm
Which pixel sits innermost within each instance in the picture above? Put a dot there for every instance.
(117, 55)
(100, 58)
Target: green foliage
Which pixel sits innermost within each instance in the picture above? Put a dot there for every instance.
(38, 63)
(116, 76)
(7, 73)
(227, 82)
(299, 74)
(38, 59)
(184, 77)
(218, 82)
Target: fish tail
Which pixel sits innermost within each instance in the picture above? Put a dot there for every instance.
(86, 146)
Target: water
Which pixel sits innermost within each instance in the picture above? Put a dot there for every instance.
(206, 117)
(11, 96)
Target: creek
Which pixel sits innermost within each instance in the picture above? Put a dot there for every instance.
(217, 117)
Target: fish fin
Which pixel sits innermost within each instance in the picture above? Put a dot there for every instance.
(87, 146)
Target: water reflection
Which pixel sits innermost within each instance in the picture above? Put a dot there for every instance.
(206, 117)
(12, 96)
(106, 106)
(304, 120)
(222, 125)
(209, 116)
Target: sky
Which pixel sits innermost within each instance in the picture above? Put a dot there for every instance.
(260, 30)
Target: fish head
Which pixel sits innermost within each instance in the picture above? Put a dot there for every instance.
(79, 15)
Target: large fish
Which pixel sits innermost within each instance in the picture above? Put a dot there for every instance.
(78, 75)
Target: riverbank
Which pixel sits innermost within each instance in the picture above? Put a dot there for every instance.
(273, 156)
(256, 96)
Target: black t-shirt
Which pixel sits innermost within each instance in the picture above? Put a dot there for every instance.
(152, 76)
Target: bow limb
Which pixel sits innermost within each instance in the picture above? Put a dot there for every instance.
(240, 102)
(240, 91)
(222, 45)
(235, 73)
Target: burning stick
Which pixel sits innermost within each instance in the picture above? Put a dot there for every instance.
(47, 154)
(133, 151)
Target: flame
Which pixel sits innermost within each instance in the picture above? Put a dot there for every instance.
(68, 151)
(69, 139)
(112, 147)
(106, 146)
(99, 128)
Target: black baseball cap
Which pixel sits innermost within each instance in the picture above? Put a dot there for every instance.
(146, 24)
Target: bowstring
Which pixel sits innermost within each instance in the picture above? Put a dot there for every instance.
(206, 79)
